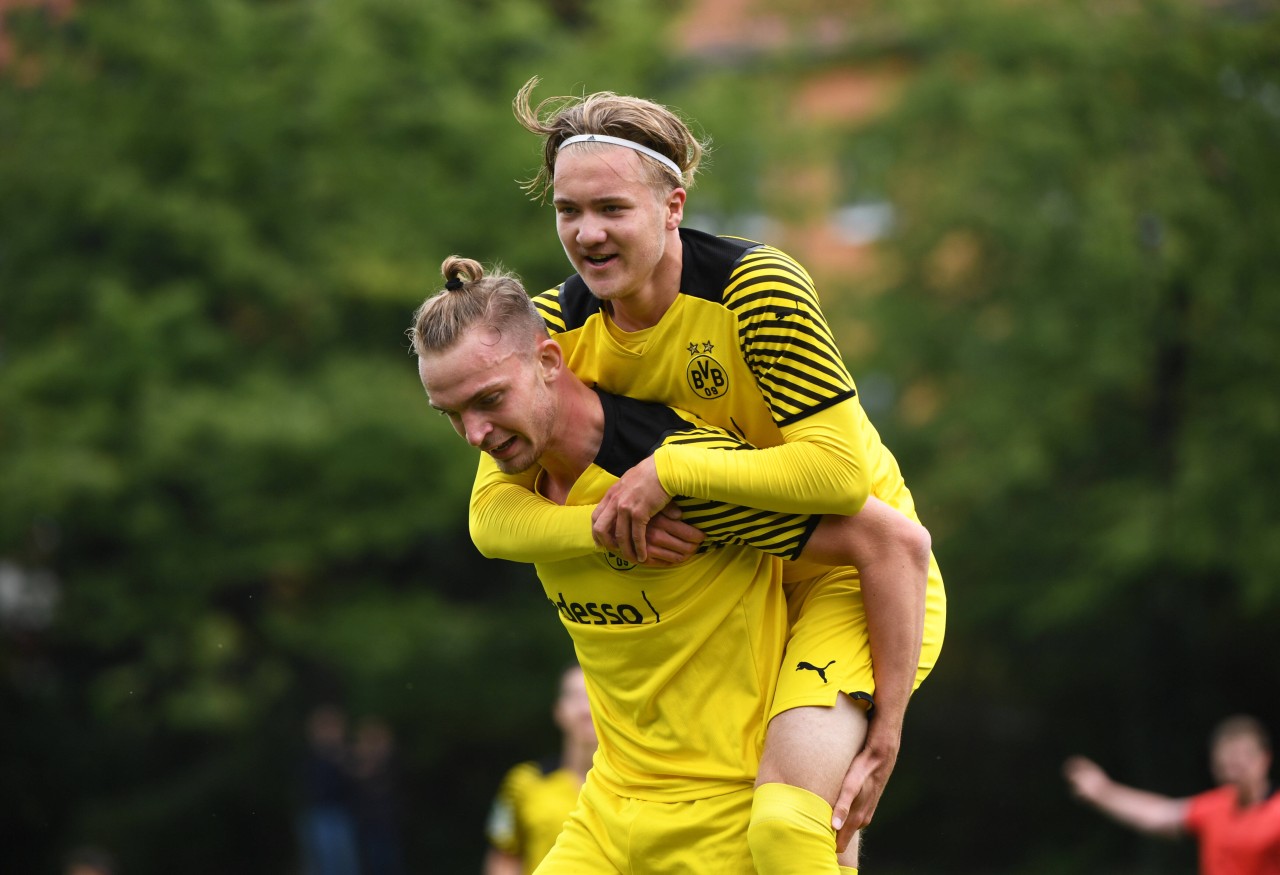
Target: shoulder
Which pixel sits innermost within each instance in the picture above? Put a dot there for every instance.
(1208, 804)
(632, 429)
(567, 306)
(708, 261)
(520, 776)
(767, 272)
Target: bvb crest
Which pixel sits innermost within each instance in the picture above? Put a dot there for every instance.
(706, 376)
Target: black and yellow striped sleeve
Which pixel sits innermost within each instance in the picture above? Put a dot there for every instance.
(548, 305)
(782, 534)
(633, 429)
(784, 336)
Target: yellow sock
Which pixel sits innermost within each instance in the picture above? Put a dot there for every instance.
(790, 832)
(848, 870)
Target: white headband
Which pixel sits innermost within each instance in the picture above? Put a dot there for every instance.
(618, 141)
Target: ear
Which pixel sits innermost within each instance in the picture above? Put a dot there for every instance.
(675, 208)
(550, 359)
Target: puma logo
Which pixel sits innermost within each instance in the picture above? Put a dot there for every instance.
(822, 672)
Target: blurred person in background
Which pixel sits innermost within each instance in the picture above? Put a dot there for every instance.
(535, 798)
(89, 861)
(376, 774)
(326, 820)
(1237, 824)
(732, 332)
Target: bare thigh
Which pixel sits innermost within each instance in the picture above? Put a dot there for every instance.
(812, 746)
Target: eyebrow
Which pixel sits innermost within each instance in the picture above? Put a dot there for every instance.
(595, 201)
(495, 386)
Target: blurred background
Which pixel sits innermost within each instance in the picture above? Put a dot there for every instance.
(1045, 235)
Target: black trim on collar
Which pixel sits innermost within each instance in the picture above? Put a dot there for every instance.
(708, 261)
(705, 266)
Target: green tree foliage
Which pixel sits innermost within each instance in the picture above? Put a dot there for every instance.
(1077, 316)
(216, 217)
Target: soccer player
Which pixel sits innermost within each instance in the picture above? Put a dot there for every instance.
(680, 662)
(535, 798)
(732, 331)
(1237, 824)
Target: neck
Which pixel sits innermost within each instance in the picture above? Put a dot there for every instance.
(1252, 792)
(576, 437)
(645, 308)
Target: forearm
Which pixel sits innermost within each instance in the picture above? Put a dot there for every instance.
(822, 468)
(508, 521)
(893, 595)
(1142, 810)
(891, 553)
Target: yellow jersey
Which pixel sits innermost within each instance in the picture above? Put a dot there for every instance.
(656, 645)
(530, 809)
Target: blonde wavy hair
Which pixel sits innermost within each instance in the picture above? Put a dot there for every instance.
(615, 115)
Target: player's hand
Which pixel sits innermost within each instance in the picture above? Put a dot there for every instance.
(670, 539)
(1086, 777)
(621, 519)
(860, 793)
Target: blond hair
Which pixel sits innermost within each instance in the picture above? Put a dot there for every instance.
(472, 298)
(631, 118)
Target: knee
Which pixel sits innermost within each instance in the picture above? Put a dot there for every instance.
(789, 820)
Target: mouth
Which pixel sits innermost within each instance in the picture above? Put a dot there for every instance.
(505, 448)
(599, 260)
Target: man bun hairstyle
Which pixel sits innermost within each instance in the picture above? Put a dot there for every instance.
(473, 298)
(640, 121)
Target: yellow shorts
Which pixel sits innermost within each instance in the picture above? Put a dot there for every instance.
(608, 833)
(828, 651)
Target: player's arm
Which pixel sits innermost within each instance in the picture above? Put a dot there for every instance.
(508, 520)
(892, 555)
(1148, 812)
(784, 339)
(821, 468)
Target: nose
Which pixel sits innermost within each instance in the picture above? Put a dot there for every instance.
(590, 230)
(475, 429)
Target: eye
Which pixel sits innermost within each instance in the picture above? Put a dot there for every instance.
(565, 210)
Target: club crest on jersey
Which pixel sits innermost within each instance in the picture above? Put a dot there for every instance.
(617, 563)
(706, 376)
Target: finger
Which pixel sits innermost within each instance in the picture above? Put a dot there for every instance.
(685, 532)
(672, 511)
(603, 536)
(639, 538)
(844, 837)
(660, 539)
(665, 556)
(622, 537)
(603, 522)
(859, 769)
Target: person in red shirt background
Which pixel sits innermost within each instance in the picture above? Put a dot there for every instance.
(1237, 824)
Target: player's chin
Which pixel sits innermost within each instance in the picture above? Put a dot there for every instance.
(516, 464)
